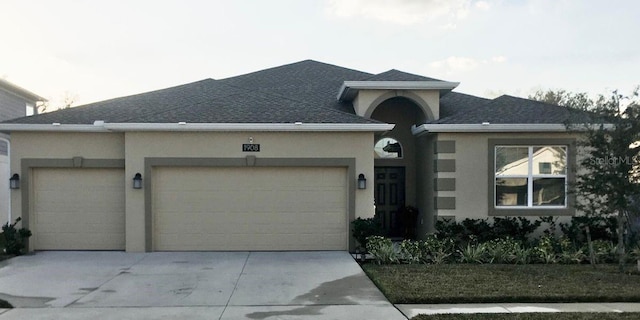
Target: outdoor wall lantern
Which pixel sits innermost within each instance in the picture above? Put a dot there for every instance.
(14, 181)
(362, 181)
(137, 181)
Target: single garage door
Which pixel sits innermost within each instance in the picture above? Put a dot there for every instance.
(249, 208)
(78, 209)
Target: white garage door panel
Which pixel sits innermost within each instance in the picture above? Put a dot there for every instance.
(250, 208)
(78, 209)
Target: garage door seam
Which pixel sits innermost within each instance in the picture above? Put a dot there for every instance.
(236, 286)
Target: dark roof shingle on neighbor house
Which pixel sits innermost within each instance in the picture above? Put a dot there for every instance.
(304, 91)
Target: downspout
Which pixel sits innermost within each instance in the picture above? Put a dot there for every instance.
(9, 165)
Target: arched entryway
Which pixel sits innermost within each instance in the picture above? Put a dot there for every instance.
(395, 166)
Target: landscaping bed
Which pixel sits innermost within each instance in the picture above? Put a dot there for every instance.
(531, 316)
(483, 283)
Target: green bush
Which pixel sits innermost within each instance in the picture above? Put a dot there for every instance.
(437, 251)
(484, 230)
(363, 228)
(473, 253)
(601, 228)
(411, 252)
(502, 250)
(546, 250)
(14, 239)
(382, 250)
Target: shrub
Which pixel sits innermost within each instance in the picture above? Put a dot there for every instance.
(410, 251)
(502, 250)
(363, 228)
(382, 250)
(545, 250)
(437, 251)
(569, 253)
(517, 228)
(481, 229)
(601, 228)
(14, 239)
(522, 255)
(473, 253)
(604, 251)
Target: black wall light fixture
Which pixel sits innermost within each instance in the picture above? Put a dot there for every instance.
(362, 181)
(14, 181)
(137, 181)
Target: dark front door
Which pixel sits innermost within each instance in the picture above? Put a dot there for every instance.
(389, 199)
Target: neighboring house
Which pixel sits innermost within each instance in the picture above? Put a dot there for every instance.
(275, 160)
(15, 102)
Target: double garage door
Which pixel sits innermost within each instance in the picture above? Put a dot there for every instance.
(196, 208)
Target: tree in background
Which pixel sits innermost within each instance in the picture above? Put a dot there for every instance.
(609, 154)
(68, 99)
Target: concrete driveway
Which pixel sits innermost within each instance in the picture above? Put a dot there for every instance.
(193, 285)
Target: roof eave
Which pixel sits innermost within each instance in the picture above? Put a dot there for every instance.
(202, 127)
(16, 90)
(500, 127)
(349, 89)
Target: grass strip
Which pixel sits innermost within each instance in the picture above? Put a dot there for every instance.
(490, 283)
(532, 316)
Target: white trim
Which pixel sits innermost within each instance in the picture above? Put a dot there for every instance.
(349, 88)
(500, 127)
(182, 126)
(52, 127)
(9, 217)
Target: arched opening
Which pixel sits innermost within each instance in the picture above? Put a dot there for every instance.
(388, 148)
(395, 166)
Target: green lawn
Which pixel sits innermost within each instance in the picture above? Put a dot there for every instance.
(469, 283)
(532, 316)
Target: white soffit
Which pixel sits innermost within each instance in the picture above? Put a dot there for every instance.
(183, 126)
(500, 127)
(349, 89)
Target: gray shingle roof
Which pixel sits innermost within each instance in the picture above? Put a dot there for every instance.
(303, 91)
(465, 109)
(397, 75)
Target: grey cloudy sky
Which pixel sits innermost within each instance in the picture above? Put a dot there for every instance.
(103, 49)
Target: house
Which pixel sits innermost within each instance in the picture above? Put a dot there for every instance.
(283, 159)
(15, 102)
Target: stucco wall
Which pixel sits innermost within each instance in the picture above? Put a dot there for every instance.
(471, 170)
(367, 101)
(424, 185)
(135, 146)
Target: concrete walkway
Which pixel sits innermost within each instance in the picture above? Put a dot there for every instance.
(412, 310)
(190, 285)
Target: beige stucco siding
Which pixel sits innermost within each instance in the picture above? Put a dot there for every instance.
(352, 152)
(300, 145)
(471, 170)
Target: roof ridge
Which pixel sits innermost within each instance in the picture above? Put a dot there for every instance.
(292, 64)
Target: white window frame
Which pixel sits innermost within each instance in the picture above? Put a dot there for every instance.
(530, 177)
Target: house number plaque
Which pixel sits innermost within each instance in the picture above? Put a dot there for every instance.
(251, 147)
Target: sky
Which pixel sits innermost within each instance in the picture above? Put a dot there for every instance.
(95, 50)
